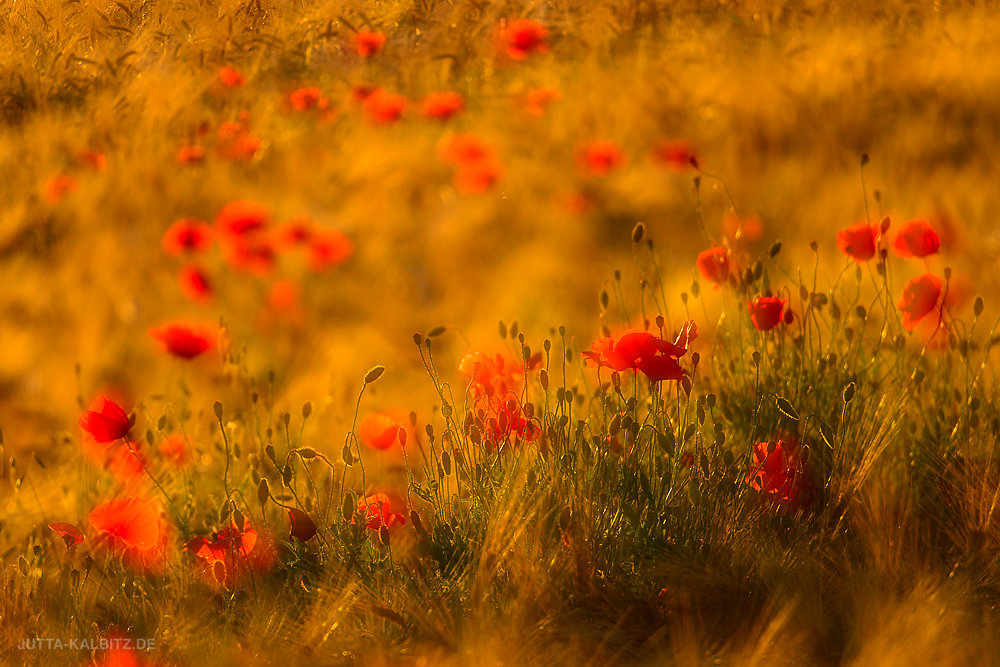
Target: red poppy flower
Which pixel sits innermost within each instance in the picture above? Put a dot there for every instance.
(384, 107)
(231, 77)
(713, 264)
(182, 340)
(377, 510)
(328, 248)
(641, 350)
(241, 217)
(778, 472)
(175, 450)
(133, 523)
(477, 178)
(379, 431)
(367, 44)
(920, 297)
(765, 312)
(443, 106)
(283, 296)
(507, 421)
(93, 159)
(59, 186)
(540, 99)
(600, 158)
(858, 241)
(677, 154)
(68, 532)
(187, 235)
(742, 229)
(303, 527)
(916, 238)
(193, 154)
(464, 149)
(308, 97)
(194, 283)
(524, 37)
(231, 554)
(105, 420)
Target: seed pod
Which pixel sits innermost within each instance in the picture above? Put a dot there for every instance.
(217, 407)
(638, 232)
(345, 454)
(263, 491)
(383, 535)
(307, 409)
(349, 507)
(306, 452)
(286, 475)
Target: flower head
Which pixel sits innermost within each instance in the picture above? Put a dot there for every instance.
(383, 107)
(600, 158)
(307, 98)
(778, 471)
(194, 283)
(367, 43)
(182, 340)
(524, 37)
(187, 235)
(713, 264)
(231, 554)
(328, 248)
(919, 298)
(303, 527)
(765, 312)
(132, 523)
(443, 106)
(642, 351)
(916, 238)
(68, 532)
(230, 76)
(105, 421)
(858, 241)
(539, 100)
(377, 511)
(379, 431)
(677, 155)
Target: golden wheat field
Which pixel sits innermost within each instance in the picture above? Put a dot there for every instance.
(473, 332)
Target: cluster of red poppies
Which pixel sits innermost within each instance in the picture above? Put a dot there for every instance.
(250, 244)
(915, 239)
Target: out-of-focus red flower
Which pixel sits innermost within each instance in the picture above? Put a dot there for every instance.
(384, 107)
(283, 296)
(192, 154)
(677, 154)
(307, 98)
(443, 106)
(641, 350)
(232, 554)
(377, 511)
(713, 264)
(128, 523)
(105, 421)
(464, 149)
(68, 532)
(174, 449)
(600, 158)
(182, 340)
(916, 238)
(748, 229)
(236, 142)
(524, 37)
(477, 177)
(778, 472)
(539, 100)
(367, 44)
(187, 235)
(765, 312)
(495, 387)
(95, 160)
(242, 217)
(327, 248)
(59, 186)
(379, 431)
(194, 283)
(122, 651)
(303, 527)
(231, 76)
(858, 241)
(920, 297)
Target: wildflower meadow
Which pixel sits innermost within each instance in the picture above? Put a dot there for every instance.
(444, 332)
